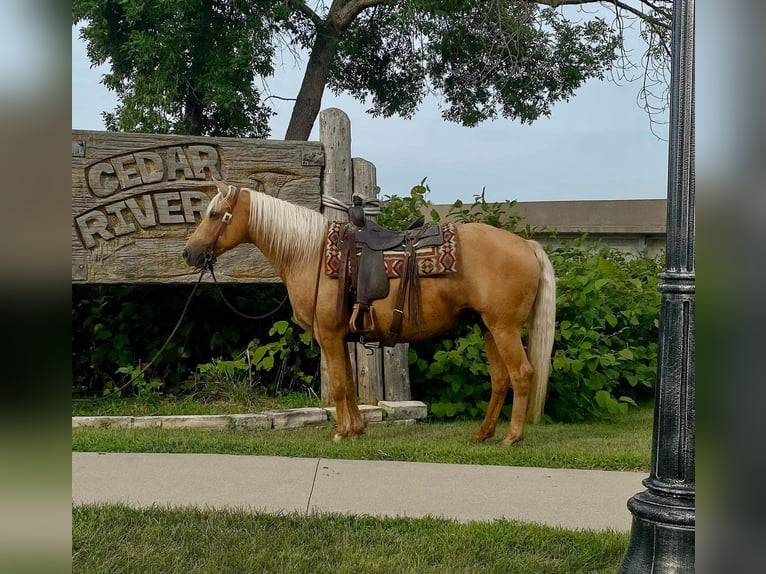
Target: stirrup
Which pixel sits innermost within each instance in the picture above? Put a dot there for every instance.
(352, 326)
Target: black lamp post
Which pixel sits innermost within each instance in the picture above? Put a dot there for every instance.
(662, 534)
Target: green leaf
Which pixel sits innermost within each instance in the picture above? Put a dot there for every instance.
(268, 362)
(279, 327)
(626, 354)
(258, 355)
(602, 399)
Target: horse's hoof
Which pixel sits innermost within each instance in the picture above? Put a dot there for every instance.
(478, 439)
(338, 437)
(511, 440)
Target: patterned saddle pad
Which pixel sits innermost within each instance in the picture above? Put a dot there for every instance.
(436, 260)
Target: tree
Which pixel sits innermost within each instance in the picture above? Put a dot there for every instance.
(182, 66)
(191, 66)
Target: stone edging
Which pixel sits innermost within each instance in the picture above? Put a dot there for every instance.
(396, 412)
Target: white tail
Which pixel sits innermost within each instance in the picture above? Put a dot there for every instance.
(541, 332)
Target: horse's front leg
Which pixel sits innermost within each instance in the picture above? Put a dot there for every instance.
(342, 389)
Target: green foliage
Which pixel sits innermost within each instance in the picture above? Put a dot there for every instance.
(229, 381)
(148, 389)
(195, 66)
(398, 212)
(512, 60)
(116, 328)
(496, 214)
(605, 352)
(453, 371)
(183, 66)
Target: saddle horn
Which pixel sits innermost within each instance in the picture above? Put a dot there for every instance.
(356, 211)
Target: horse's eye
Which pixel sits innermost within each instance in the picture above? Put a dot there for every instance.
(215, 214)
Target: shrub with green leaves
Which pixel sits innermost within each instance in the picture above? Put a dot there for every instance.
(451, 373)
(118, 329)
(398, 212)
(605, 350)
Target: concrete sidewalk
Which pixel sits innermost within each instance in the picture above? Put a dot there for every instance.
(574, 499)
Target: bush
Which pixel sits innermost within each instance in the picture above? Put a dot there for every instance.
(118, 329)
(605, 350)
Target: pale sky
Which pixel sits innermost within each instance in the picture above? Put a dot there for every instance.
(599, 145)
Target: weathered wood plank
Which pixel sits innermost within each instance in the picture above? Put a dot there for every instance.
(337, 180)
(137, 197)
(369, 375)
(396, 373)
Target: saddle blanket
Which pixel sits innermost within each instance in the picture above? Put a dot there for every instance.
(431, 260)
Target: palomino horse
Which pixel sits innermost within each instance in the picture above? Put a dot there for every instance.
(502, 277)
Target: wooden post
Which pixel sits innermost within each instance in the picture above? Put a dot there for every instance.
(369, 362)
(337, 182)
(396, 373)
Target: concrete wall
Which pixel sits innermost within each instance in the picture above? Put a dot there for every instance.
(630, 225)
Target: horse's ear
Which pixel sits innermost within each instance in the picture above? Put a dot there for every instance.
(222, 188)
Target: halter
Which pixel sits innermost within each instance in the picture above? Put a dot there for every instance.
(225, 219)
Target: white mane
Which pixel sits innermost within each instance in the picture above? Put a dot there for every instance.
(292, 233)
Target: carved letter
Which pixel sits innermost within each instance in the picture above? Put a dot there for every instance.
(194, 201)
(204, 157)
(101, 180)
(177, 162)
(164, 208)
(91, 224)
(122, 227)
(127, 174)
(150, 166)
(144, 218)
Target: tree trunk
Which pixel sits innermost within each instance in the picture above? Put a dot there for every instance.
(193, 114)
(309, 100)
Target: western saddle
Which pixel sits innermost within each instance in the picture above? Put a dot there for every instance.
(363, 279)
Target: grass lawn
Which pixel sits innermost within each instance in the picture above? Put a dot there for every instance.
(115, 538)
(621, 443)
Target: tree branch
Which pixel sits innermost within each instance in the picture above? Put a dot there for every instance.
(304, 9)
(617, 3)
(344, 12)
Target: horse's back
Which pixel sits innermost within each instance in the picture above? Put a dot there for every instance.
(498, 273)
(485, 251)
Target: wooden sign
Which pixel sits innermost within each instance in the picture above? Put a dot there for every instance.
(136, 198)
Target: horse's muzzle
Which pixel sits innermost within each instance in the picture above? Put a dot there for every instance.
(197, 260)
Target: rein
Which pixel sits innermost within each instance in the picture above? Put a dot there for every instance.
(240, 313)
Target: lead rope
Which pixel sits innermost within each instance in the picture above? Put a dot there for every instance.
(165, 344)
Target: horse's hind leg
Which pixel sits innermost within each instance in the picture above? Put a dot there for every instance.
(511, 349)
(342, 388)
(498, 372)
